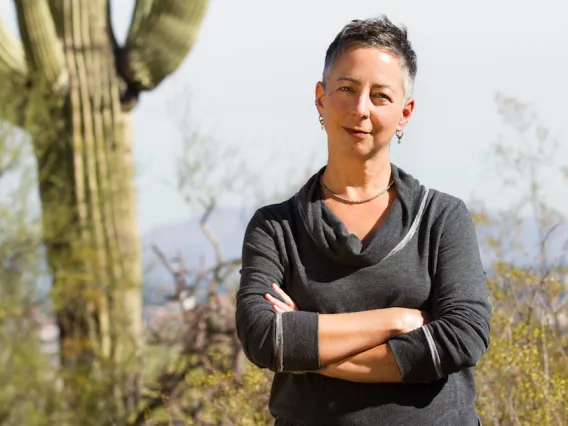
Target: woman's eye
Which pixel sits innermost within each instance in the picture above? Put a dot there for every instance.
(381, 96)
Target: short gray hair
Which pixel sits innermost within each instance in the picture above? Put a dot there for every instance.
(377, 32)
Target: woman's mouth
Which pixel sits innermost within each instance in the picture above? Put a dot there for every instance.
(358, 133)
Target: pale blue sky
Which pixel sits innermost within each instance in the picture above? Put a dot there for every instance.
(252, 73)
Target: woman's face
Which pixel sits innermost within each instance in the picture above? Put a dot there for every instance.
(363, 102)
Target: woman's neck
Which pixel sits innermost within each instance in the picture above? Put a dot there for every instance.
(357, 179)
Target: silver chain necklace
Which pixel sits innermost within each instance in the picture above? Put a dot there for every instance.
(347, 200)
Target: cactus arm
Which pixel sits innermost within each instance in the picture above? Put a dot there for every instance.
(44, 51)
(12, 57)
(160, 36)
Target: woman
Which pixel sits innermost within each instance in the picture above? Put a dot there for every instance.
(365, 292)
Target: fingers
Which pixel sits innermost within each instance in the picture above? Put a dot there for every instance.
(287, 305)
(284, 296)
(278, 305)
(279, 309)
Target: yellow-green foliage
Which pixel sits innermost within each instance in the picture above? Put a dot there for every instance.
(240, 402)
(523, 379)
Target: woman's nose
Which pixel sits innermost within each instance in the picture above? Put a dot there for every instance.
(361, 108)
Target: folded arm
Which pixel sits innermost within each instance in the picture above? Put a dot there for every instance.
(296, 340)
(375, 365)
(458, 334)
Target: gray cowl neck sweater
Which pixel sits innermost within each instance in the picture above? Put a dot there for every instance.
(424, 256)
(331, 237)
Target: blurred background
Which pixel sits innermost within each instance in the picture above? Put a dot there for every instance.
(137, 140)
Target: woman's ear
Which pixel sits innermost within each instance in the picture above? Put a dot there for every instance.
(320, 96)
(406, 114)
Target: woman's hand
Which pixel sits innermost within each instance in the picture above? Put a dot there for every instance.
(407, 320)
(287, 306)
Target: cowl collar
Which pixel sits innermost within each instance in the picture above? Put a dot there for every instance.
(330, 234)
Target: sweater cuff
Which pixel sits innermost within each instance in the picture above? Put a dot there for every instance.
(417, 356)
(297, 341)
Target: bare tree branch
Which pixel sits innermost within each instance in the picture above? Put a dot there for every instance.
(213, 240)
(206, 324)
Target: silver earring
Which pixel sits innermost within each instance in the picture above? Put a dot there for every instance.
(399, 135)
(321, 121)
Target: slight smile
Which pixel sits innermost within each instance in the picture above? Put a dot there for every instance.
(359, 133)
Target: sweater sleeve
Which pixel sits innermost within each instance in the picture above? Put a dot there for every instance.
(458, 334)
(277, 341)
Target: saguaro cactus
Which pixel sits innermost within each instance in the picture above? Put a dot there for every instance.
(72, 87)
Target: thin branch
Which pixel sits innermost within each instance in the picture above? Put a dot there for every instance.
(160, 36)
(163, 259)
(213, 240)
